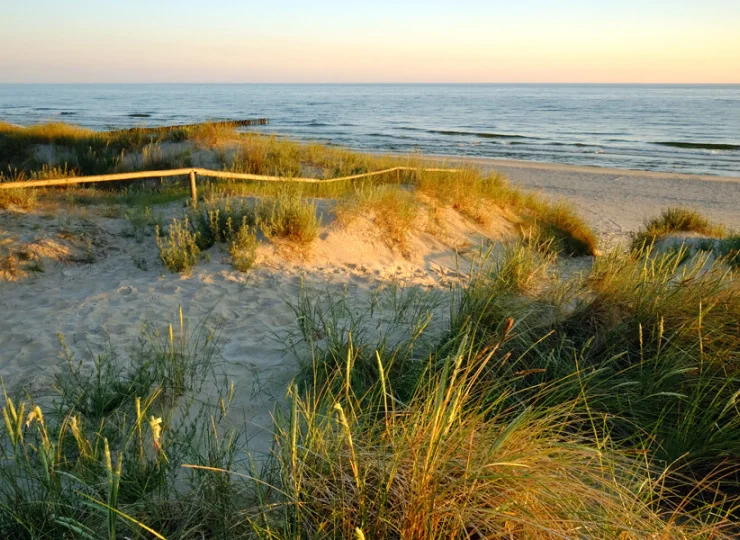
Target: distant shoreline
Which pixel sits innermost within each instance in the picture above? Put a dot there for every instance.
(616, 202)
(586, 169)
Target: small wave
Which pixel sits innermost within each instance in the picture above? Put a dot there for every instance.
(480, 134)
(699, 146)
(458, 133)
(578, 145)
(67, 113)
(139, 115)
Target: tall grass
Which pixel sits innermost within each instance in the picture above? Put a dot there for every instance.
(457, 460)
(606, 406)
(675, 220)
(103, 458)
(288, 217)
(179, 249)
(481, 198)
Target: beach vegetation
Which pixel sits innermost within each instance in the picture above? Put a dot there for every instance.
(391, 209)
(290, 218)
(243, 248)
(178, 246)
(673, 221)
(517, 404)
(60, 150)
(729, 249)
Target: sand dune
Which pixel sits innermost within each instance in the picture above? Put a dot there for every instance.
(104, 301)
(618, 201)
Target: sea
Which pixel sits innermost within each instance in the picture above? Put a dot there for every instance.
(672, 128)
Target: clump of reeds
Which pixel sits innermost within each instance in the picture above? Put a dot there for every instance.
(457, 459)
(105, 458)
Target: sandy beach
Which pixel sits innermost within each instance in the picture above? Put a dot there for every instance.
(618, 201)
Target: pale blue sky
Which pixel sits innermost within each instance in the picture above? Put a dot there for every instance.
(380, 41)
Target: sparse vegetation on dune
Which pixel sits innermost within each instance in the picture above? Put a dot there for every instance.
(393, 207)
(526, 400)
(512, 418)
(675, 221)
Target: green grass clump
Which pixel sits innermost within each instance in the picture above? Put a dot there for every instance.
(335, 331)
(567, 232)
(651, 341)
(243, 248)
(218, 219)
(288, 217)
(675, 220)
(179, 249)
(452, 459)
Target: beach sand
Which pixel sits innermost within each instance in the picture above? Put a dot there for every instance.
(104, 304)
(616, 202)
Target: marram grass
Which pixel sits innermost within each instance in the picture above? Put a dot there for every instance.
(512, 418)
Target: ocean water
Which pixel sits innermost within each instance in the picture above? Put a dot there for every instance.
(674, 128)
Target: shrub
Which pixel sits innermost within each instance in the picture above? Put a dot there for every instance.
(288, 217)
(218, 218)
(179, 249)
(243, 248)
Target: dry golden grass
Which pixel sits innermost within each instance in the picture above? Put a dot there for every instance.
(391, 209)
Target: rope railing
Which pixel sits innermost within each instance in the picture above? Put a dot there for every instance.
(194, 172)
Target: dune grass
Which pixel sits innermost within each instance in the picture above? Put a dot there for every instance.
(392, 210)
(672, 221)
(53, 150)
(178, 249)
(479, 197)
(516, 405)
(729, 249)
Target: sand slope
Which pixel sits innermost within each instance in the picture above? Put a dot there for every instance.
(618, 201)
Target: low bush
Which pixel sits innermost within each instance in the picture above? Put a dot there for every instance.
(243, 248)
(288, 217)
(179, 249)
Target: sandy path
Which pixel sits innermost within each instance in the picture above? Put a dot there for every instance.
(616, 201)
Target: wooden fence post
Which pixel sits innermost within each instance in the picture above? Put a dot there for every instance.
(193, 190)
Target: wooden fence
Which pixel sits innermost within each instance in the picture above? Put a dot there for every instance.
(193, 173)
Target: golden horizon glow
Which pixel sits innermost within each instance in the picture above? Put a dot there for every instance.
(555, 45)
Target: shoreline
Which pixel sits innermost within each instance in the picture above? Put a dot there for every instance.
(617, 202)
(586, 169)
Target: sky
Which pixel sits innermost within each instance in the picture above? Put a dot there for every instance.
(450, 41)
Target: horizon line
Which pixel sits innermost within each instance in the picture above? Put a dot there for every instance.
(378, 83)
